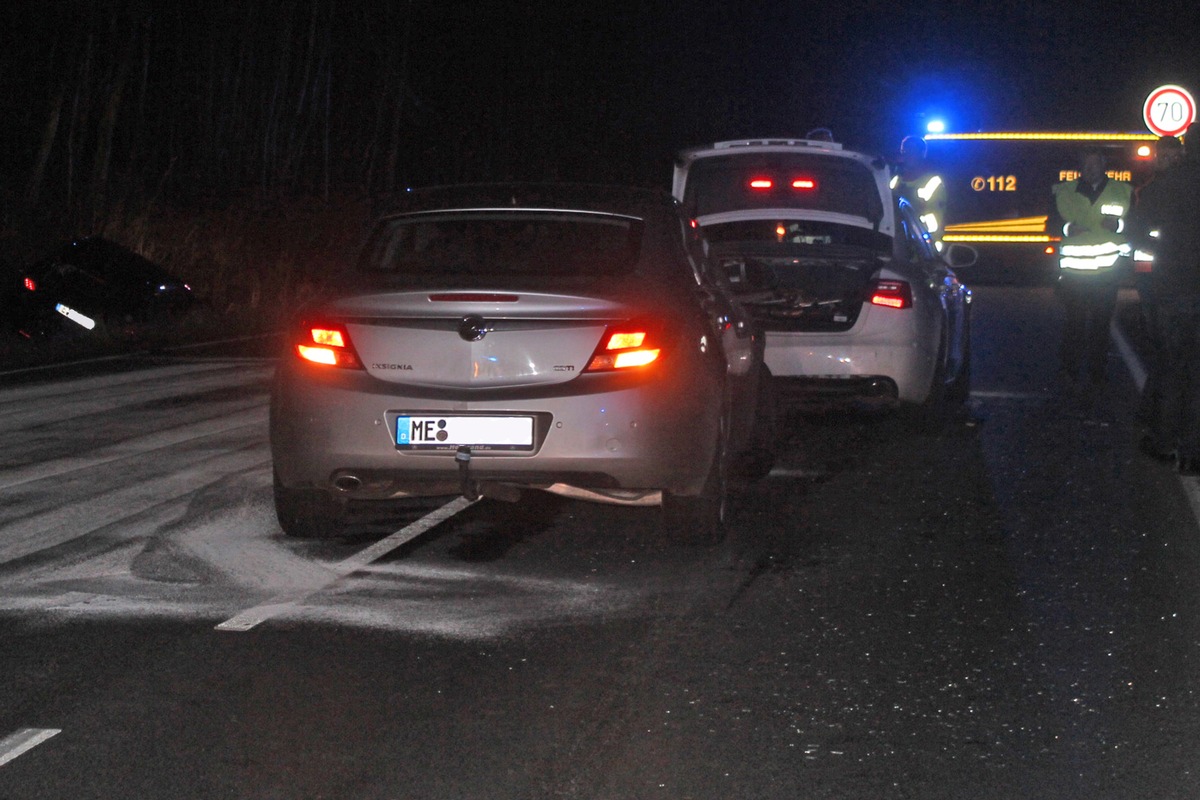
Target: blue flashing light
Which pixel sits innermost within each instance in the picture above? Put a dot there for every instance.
(935, 126)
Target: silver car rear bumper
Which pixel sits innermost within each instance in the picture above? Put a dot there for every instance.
(332, 430)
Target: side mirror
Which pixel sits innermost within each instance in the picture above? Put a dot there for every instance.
(961, 255)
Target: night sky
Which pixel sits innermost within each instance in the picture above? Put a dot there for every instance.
(637, 80)
(598, 91)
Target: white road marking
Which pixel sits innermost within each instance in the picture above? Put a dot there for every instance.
(1137, 370)
(1191, 487)
(285, 602)
(1001, 395)
(75, 401)
(232, 340)
(121, 356)
(1134, 364)
(96, 383)
(23, 741)
(233, 418)
(781, 472)
(55, 526)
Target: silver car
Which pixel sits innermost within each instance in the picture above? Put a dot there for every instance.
(840, 274)
(496, 339)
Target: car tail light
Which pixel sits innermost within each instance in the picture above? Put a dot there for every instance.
(30, 284)
(804, 184)
(327, 344)
(761, 184)
(473, 297)
(625, 347)
(891, 294)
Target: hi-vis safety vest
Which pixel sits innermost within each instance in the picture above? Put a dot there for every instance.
(927, 193)
(1087, 246)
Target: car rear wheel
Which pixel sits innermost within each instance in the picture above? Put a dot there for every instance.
(959, 390)
(700, 519)
(936, 400)
(306, 513)
(756, 463)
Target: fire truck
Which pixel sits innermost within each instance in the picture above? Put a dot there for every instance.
(999, 190)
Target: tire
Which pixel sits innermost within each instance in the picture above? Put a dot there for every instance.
(959, 390)
(756, 463)
(935, 401)
(306, 513)
(699, 520)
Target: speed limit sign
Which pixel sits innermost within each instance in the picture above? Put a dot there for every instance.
(1169, 110)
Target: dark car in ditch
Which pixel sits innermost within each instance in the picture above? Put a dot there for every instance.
(94, 286)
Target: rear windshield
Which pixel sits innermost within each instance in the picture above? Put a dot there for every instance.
(501, 242)
(792, 234)
(782, 180)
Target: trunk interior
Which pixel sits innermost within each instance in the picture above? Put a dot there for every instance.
(799, 291)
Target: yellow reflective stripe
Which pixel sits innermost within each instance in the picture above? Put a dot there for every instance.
(926, 191)
(995, 237)
(1042, 136)
(1020, 225)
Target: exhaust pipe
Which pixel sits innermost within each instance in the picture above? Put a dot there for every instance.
(882, 387)
(347, 483)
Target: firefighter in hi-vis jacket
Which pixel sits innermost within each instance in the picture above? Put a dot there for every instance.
(922, 186)
(1094, 251)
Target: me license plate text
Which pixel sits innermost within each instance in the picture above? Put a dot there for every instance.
(450, 433)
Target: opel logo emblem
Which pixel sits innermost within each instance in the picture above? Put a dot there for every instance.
(472, 328)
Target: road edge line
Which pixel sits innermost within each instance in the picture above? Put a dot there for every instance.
(1137, 371)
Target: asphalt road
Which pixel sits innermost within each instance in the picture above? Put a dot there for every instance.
(995, 605)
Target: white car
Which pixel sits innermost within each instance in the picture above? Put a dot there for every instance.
(839, 273)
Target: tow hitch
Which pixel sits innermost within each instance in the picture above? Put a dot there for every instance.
(469, 487)
(474, 489)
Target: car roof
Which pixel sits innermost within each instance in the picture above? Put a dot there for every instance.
(735, 146)
(627, 200)
(764, 144)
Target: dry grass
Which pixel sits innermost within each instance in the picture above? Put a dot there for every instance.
(253, 261)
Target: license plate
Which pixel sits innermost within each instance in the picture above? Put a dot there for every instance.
(75, 316)
(429, 432)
